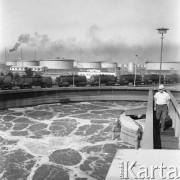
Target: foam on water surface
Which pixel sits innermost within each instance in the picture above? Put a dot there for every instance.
(70, 141)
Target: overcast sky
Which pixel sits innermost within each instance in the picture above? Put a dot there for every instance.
(90, 30)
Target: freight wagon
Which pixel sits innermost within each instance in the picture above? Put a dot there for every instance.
(129, 79)
(6, 82)
(172, 78)
(28, 82)
(152, 79)
(66, 81)
(108, 80)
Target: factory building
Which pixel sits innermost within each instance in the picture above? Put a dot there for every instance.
(21, 69)
(94, 72)
(166, 68)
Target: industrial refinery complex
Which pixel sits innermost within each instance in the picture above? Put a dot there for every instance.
(57, 66)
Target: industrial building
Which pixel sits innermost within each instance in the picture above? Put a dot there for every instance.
(94, 72)
(166, 68)
(22, 69)
(56, 67)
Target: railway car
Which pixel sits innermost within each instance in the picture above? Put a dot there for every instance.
(127, 79)
(152, 79)
(6, 82)
(171, 78)
(28, 82)
(108, 80)
(44, 81)
(66, 81)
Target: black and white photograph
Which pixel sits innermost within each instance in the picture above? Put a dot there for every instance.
(89, 89)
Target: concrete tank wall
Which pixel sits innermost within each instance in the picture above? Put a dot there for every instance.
(58, 64)
(108, 64)
(27, 63)
(11, 63)
(165, 65)
(131, 67)
(120, 65)
(89, 65)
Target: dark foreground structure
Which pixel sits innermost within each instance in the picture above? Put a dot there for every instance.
(66, 140)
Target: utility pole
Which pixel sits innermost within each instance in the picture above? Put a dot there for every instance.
(5, 55)
(135, 70)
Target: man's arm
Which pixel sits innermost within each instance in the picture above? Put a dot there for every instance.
(168, 101)
(155, 100)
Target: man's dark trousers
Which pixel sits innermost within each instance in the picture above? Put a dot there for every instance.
(161, 114)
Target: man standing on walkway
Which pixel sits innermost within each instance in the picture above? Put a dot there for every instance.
(161, 106)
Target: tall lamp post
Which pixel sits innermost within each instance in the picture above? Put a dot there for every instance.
(161, 31)
(135, 70)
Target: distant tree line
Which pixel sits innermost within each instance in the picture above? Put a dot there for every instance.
(28, 73)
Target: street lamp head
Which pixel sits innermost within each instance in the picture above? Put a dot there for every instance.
(162, 30)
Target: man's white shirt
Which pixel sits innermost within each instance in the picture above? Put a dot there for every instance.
(161, 98)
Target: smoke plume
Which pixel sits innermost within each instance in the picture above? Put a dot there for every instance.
(37, 41)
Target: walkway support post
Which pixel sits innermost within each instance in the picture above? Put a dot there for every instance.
(147, 140)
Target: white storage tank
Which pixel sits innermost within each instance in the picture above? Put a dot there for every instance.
(88, 65)
(26, 63)
(11, 63)
(166, 65)
(119, 65)
(75, 63)
(109, 65)
(57, 63)
(131, 67)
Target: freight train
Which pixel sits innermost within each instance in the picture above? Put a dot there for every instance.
(7, 82)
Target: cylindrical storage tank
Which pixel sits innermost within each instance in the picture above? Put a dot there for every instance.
(57, 63)
(89, 65)
(120, 65)
(27, 63)
(75, 63)
(131, 66)
(11, 63)
(108, 65)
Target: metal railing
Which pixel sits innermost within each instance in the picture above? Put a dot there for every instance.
(174, 112)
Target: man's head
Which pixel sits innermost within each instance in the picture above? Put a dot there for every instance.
(161, 88)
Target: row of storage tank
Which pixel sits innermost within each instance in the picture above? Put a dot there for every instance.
(70, 64)
(8, 82)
